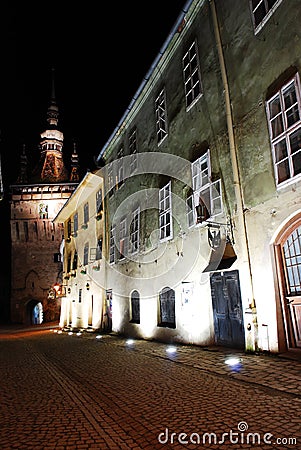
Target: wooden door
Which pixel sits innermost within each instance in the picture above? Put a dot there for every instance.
(227, 309)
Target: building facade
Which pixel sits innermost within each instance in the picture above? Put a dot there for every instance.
(201, 188)
(82, 291)
(202, 183)
(35, 200)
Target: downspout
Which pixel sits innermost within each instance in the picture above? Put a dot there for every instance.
(234, 162)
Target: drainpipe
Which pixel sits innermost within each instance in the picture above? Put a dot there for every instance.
(235, 170)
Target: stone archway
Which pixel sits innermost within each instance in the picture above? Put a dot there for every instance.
(287, 251)
(33, 312)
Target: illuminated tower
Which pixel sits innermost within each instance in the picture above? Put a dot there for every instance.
(35, 200)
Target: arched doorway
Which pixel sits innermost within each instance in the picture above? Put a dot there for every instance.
(287, 247)
(34, 313)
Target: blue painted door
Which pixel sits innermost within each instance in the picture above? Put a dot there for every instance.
(227, 309)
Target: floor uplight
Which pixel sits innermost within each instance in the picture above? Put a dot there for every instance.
(171, 350)
(234, 363)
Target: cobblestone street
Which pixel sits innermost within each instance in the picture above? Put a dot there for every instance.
(61, 391)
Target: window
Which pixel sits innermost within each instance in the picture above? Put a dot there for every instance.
(135, 307)
(165, 218)
(167, 308)
(86, 213)
(292, 257)
(207, 195)
(190, 211)
(120, 172)
(69, 263)
(86, 254)
(122, 240)
(57, 257)
(133, 150)
(99, 249)
(43, 211)
(99, 201)
(161, 119)
(262, 11)
(284, 113)
(69, 229)
(74, 262)
(26, 235)
(75, 223)
(112, 245)
(134, 231)
(110, 177)
(192, 78)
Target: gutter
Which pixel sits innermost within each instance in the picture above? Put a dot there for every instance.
(232, 145)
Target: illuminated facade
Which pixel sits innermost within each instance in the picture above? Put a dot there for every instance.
(35, 200)
(82, 293)
(202, 183)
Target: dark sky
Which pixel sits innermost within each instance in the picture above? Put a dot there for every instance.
(101, 52)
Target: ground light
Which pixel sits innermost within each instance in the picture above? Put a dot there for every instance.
(171, 350)
(130, 342)
(99, 336)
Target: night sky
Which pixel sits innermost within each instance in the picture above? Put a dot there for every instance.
(100, 52)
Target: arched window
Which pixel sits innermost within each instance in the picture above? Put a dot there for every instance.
(135, 307)
(292, 258)
(167, 308)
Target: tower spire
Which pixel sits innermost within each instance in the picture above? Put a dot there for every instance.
(53, 111)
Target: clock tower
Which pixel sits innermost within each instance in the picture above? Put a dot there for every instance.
(35, 200)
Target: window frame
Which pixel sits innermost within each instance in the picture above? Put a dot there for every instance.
(288, 130)
(192, 75)
(161, 116)
(167, 302)
(99, 205)
(112, 247)
(165, 212)
(135, 307)
(269, 12)
(86, 213)
(123, 240)
(206, 193)
(133, 148)
(135, 232)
